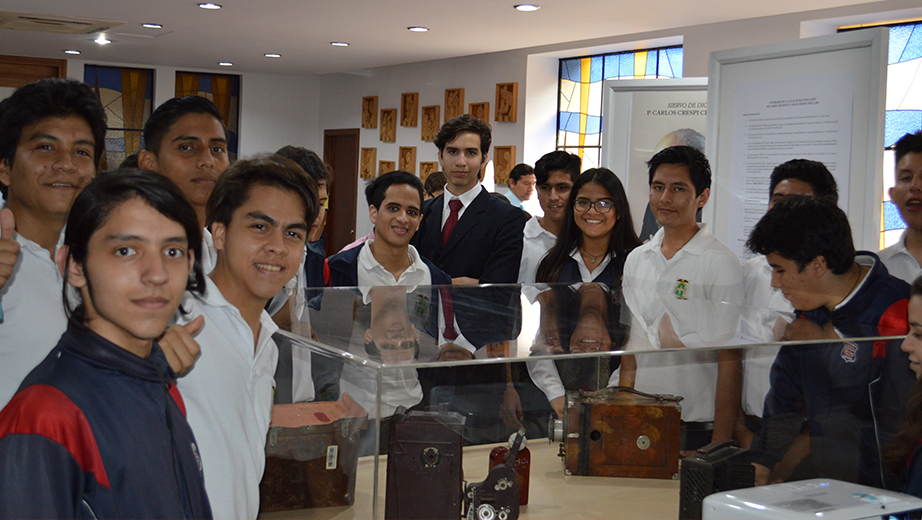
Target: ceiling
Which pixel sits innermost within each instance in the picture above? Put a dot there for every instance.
(301, 30)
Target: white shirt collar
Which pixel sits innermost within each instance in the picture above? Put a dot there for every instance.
(466, 198)
(584, 273)
(695, 246)
(533, 229)
(371, 273)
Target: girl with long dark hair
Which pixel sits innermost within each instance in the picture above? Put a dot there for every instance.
(597, 235)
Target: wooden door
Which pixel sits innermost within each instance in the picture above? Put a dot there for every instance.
(341, 152)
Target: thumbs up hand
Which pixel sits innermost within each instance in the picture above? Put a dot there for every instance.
(9, 247)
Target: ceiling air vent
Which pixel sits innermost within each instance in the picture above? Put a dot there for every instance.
(53, 24)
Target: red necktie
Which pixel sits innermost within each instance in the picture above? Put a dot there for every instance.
(448, 311)
(455, 206)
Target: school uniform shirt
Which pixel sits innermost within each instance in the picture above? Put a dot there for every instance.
(371, 273)
(228, 395)
(899, 262)
(701, 290)
(536, 242)
(33, 314)
(544, 372)
(765, 305)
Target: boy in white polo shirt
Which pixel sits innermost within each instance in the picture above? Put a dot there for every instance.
(684, 289)
(260, 214)
(52, 136)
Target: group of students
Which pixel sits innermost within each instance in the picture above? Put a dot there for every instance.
(136, 336)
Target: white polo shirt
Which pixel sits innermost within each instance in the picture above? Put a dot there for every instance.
(765, 305)
(33, 315)
(899, 262)
(536, 242)
(228, 397)
(371, 273)
(701, 290)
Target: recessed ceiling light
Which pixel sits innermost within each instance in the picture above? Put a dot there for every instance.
(272, 55)
(71, 51)
(209, 5)
(418, 29)
(102, 40)
(152, 25)
(339, 44)
(225, 64)
(527, 7)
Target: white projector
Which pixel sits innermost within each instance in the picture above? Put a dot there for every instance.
(814, 499)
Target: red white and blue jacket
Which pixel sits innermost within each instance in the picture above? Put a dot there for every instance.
(98, 432)
(852, 394)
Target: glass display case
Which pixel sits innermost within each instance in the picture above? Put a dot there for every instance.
(611, 392)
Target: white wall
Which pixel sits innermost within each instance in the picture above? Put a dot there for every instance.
(535, 69)
(341, 103)
(275, 110)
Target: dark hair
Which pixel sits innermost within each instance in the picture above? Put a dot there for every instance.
(519, 171)
(464, 123)
(803, 227)
(167, 114)
(232, 188)
(813, 173)
(909, 143)
(110, 190)
(435, 182)
(46, 98)
(130, 162)
(377, 189)
(623, 238)
(558, 160)
(698, 167)
(898, 451)
(310, 162)
(501, 197)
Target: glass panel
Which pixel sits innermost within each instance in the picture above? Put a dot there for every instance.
(534, 357)
(627, 65)
(595, 72)
(899, 123)
(899, 36)
(570, 69)
(676, 56)
(913, 48)
(640, 63)
(612, 65)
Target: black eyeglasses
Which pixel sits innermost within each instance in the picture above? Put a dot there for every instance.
(602, 206)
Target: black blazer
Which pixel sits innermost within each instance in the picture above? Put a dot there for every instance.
(486, 244)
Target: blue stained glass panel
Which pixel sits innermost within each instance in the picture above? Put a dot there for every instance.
(570, 69)
(914, 46)
(115, 144)
(612, 65)
(593, 124)
(595, 69)
(675, 55)
(665, 69)
(892, 218)
(898, 37)
(900, 123)
(627, 65)
(569, 122)
(651, 63)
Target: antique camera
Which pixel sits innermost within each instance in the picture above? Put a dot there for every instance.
(619, 432)
(497, 497)
(312, 455)
(424, 465)
(719, 466)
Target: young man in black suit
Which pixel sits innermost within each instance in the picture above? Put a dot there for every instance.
(466, 232)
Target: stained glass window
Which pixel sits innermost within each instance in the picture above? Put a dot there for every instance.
(126, 94)
(579, 109)
(904, 114)
(224, 91)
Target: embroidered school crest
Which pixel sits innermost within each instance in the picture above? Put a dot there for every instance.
(681, 286)
(849, 352)
(422, 305)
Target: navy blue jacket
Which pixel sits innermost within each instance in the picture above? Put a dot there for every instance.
(852, 394)
(344, 269)
(98, 432)
(486, 244)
